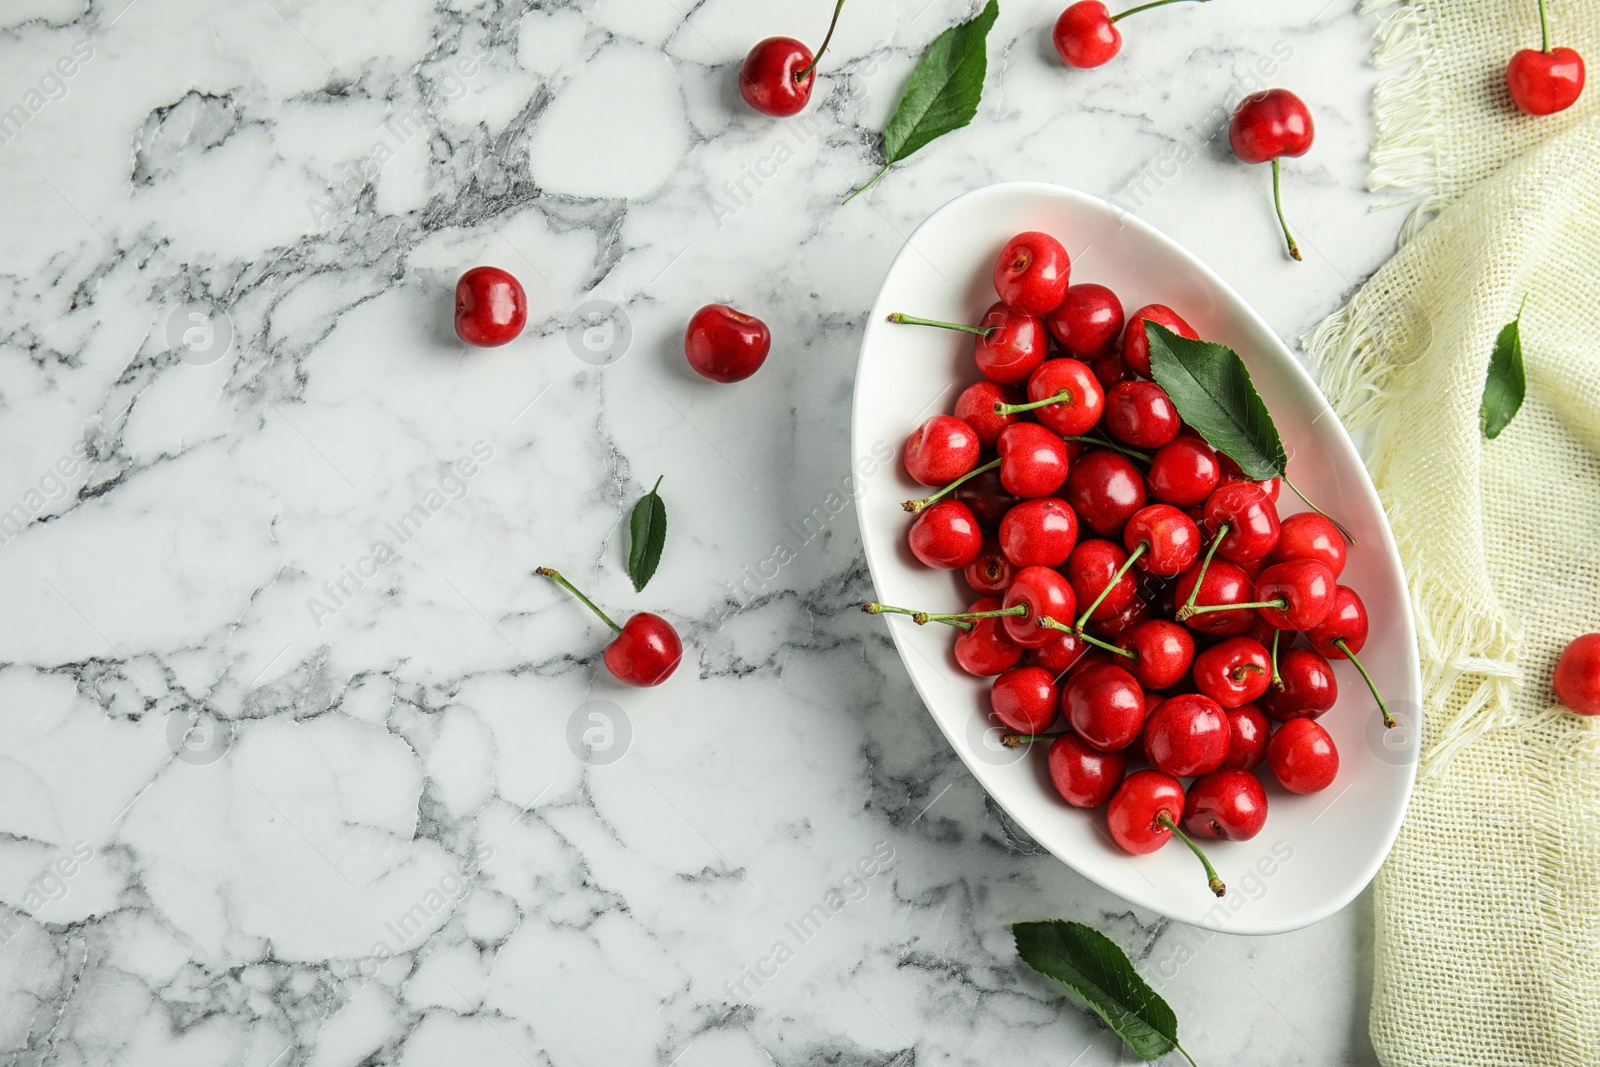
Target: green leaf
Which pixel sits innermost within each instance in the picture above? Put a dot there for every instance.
(1212, 390)
(1506, 385)
(943, 92)
(1091, 965)
(647, 533)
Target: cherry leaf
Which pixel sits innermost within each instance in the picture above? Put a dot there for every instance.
(1211, 388)
(647, 535)
(1506, 384)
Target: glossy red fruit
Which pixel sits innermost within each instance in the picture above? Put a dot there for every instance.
(491, 308)
(1183, 472)
(1090, 567)
(1121, 624)
(1015, 344)
(1085, 777)
(975, 407)
(1303, 756)
(1577, 675)
(1060, 655)
(1085, 398)
(1046, 594)
(1141, 414)
(1025, 699)
(1110, 370)
(1543, 83)
(1251, 519)
(1136, 343)
(1309, 536)
(1227, 804)
(1305, 589)
(1105, 489)
(987, 498)
(726, 345)
(989, 572)
(1085, 36)
(1170, 538)
(1233, 672)
(1224, 583)
(645, 650)
(1271, 124)
(1343, 630)
(1105, 706)
(1087, 321)
(945, 536)
(986, 649)
(1033, 460)
(941, 450)
(1309, 686)
(1248, 731)
(1040, 532)
(770, 80)
(1187, 735)
(1232, 473)
(1032, 273)
(1163, 652)
(1133, 816)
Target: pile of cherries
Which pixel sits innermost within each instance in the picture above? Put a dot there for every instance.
(1126, 576)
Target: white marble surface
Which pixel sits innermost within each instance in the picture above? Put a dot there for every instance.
(376, 845)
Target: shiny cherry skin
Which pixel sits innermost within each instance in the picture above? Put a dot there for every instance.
(1577, 675)
(1269, 125)
(1186, 735)
(987, 498)
(1543, 83)
(1087, 321)
(1251, 518)
(1233, 672)
(941, 450)
(491, 308)
(989, 572)
(1032, 273)
(1089, 569)
(1110, 370)
(1033, 460)
(1303, 757)
(1304, 586)
(1309, 686)
(1085, 36)
(1133, 815)
(1045, 593)
(726, 345)
(1183, 472)
(1013, 347)
(1232, 473)
(1224, 583)
(986, 649)
(1040, 532)
(770, 79)
(1060, 655)
(1136, 342)
(1227, 805)
(1085, 402)
(975, 407)
(646, 652)
(1025, 699)
(1344, 625)
(1248, 731)
(1310, 536)
(1121, 624)
(1105, 706)
(1085, 777)
(1170, 538)
(1163, 653)
(1105, 489)
(1141, 414)
(945, 536)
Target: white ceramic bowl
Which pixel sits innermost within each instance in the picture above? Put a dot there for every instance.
(1317, 852)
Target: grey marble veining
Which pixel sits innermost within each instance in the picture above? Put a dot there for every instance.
(270, 795)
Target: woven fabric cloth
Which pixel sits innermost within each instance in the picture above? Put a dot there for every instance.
(1488, 910)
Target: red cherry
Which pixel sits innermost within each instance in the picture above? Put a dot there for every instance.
(1233, 672)
(1183, 472)
(1059, 656)
(1136, 343)
(1094, 565)
(1170, 540)
(1105, 489)
(941, 450)
(1245, 518)
(1232, 473)
(1247, 738)
(1007, 345)
(1303, 757)
(1224, 583)
(771, 80)
(1577, 675)
(1040, 532)
(989, 572)
(1045, 594)
(985, 649)
(1308, 688)
(1065, 396)
(1226, 804)
(1342, 634)
(1032, 272)
(1024, 699)
(1308, 536)
(987, 498)
(1121, 624)
(1084, 777)
(1085, 36)
(1105, 706)
(1296, 595)
(1542, 83)
(726, 345)
(1087, 320)
(491, 308)
(1267, 125)
(1143, 814)
(1187, 735)
(1141, 414)
(646, 649)
(1110, 370)
(945, 536)
(1033, 461)
(1163, 652)
(975, 407)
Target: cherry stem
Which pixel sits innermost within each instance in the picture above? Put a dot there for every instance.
(915, 506)
(1018, 740)
(555, 576)
(1132, 453)
(1544, 29)
(1388, 719)
(1188, 605)
(913, 320)
(1083, 620)
(1277, 679)
(1126, 653)
(1164, 819)
(1147, 7)
(867, 186)
(1337, 525)
(874, 608)
(1277, 202)
(1011, 409)
(800, 74)
(1281, 604)
(1013, 611)
(1244, 669)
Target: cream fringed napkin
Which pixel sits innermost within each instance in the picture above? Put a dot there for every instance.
(1488, 910)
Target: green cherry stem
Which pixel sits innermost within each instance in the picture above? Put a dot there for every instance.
(555, 576)
(1277, 202)
(1083, 619)
(915, 506)
(1205, 565)
(1157, 3)
(1131, 453)
(1388, 719)
(1337, 525)
(889, 609)
(1018, 740)
(912, 320)
(1050, 624)
(1281, 604)
(800, 75)
(1012, 409)
(867, 186)
(1165, 819)
(1277, 679)
(1013, 611)
(1544, 29)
